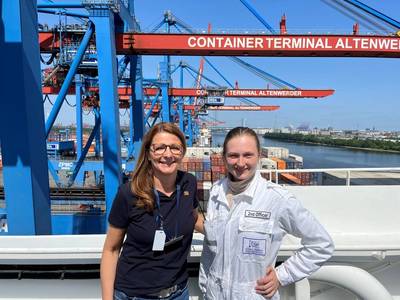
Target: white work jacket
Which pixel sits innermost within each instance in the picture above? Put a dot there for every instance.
(241, 242)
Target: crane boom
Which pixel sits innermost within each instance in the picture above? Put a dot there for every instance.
(225, 107)
(244, 45)
(125, 92)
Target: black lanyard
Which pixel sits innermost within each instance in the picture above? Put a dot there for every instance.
(159, 216)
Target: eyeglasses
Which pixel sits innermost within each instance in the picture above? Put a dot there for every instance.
(160, 149)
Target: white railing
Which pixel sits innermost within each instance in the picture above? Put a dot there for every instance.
(274, 174)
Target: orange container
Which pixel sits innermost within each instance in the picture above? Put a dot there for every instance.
(280, 164)
(290, 178)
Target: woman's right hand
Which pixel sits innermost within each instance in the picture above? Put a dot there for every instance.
(269, 284)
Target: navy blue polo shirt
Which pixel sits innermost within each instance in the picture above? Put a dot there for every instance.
(140, 270)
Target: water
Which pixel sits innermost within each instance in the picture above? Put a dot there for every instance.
(329, 157)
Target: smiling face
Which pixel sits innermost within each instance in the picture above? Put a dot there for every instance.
(164, 154)
(241, 156)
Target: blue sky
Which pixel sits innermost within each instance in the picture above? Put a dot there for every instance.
(366, 89)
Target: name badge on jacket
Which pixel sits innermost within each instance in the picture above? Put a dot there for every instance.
(259, 214)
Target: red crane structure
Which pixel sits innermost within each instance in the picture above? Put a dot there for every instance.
(244, 44)
(125, 92)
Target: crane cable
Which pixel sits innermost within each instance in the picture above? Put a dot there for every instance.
(190, 30)
(69, 104)
(363, 19)
(124, 113)
(262, 74)
(241, 99)
(50, 60)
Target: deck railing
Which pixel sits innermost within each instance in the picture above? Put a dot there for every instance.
(335, 176)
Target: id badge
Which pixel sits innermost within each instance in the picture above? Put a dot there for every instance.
(159, 240)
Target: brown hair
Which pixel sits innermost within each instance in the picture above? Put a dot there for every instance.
(238, 131)
(142, 184)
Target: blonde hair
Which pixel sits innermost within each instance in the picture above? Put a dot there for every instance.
(142, 184)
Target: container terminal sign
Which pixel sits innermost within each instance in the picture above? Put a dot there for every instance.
(263, 93)
(261, 45)
(300, 43)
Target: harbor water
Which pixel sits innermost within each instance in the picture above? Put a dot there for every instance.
(316, 156)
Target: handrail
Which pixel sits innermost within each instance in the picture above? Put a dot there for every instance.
(331, 170)
(355, 280)
(347, 170)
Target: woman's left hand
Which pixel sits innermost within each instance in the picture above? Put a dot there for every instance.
(199, 221)
(269, 284)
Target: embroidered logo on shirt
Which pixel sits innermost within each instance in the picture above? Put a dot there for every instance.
(254, 246)
(185, 193)
(257, 214)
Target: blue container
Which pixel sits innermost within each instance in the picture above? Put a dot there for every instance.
(206, 165)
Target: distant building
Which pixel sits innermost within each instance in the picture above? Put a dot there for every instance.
(305, 132)
(324, 132)
(315, 131)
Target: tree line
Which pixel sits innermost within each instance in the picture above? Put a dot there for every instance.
(329, 141)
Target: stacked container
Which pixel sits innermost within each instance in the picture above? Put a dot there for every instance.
(199, 167)
(218, 170)
(203, 193)
(207, 166)
(280, 164)
(306, 178)
(268, 164)
(296, 157)
(278, 152)
(292, 163)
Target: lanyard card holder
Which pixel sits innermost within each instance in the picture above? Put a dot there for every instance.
(160, 236)
(159, 240)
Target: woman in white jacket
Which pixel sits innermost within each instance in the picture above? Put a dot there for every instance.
(247, 218)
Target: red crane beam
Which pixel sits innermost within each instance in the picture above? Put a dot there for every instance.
(125, 92)
(48, 41)
(259, 45)
(224, 107)
(244, 45)
(249, 93)
(245, 107)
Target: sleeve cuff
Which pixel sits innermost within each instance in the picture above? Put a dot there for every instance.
(283, 276)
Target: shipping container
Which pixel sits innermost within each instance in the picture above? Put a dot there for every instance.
(291, 163)
(267, 175)
(203, 193)
(281, 164)
(289, 178)
(296, 157)
(267, 164)
(278, 152)
(202, 152)
(308, 178)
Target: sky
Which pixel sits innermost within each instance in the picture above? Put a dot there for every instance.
(366, 93)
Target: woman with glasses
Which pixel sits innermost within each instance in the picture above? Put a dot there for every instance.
(247, 218)
(152, 219)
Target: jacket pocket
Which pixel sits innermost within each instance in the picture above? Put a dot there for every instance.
(254, 239)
